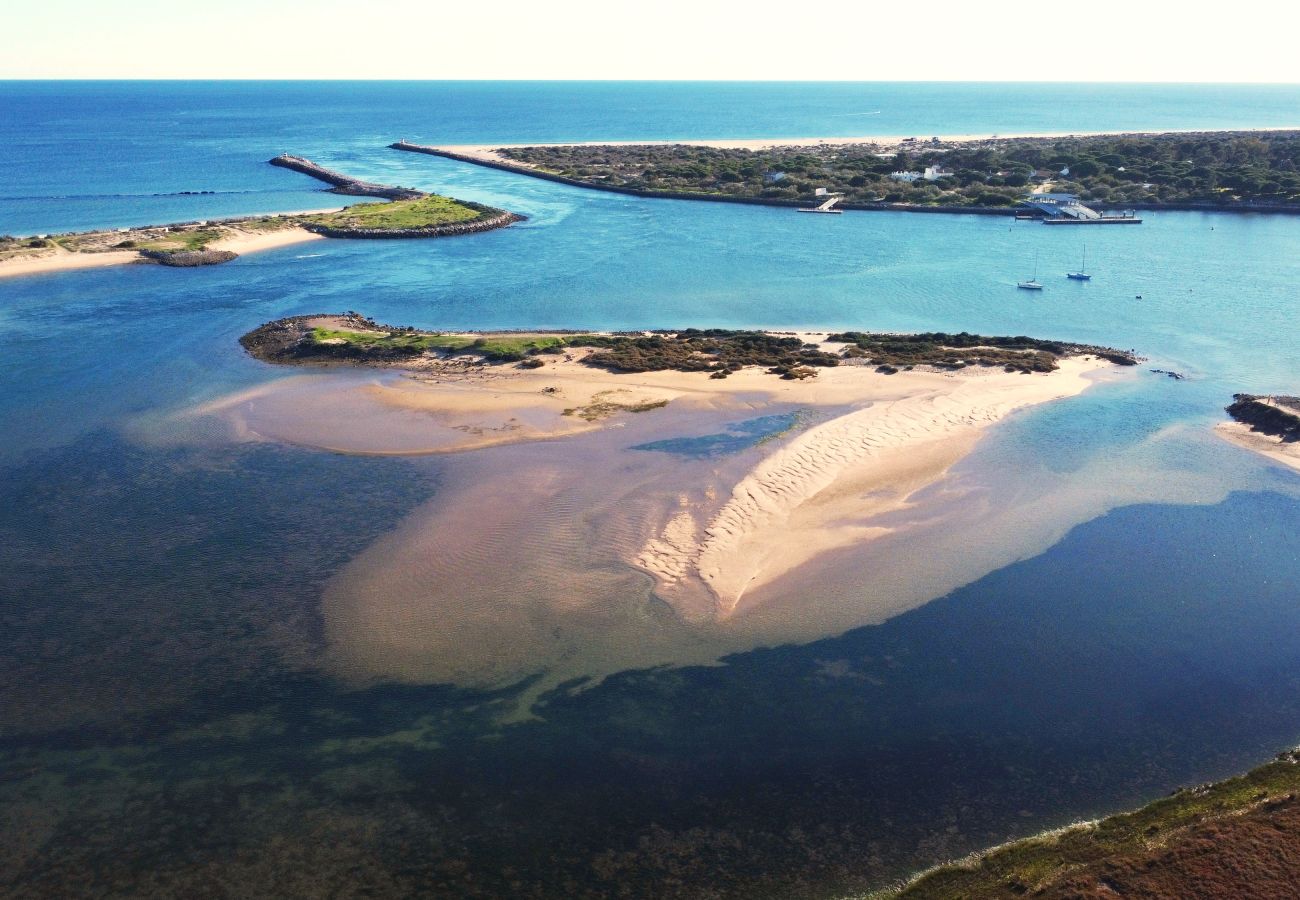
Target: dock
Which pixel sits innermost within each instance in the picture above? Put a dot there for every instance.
(826, 207)
(1065, 209)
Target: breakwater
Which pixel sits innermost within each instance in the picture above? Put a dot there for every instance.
(345, 184)
(690, 195)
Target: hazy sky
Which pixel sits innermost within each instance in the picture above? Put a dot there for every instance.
(914, 40)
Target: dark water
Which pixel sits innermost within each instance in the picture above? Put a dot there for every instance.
(164, 728)
(185, 747)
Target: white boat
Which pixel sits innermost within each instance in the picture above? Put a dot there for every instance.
(1032, 284)
(1082, 274)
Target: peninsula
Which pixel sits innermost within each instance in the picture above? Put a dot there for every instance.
(720, 469)
(1269, 425)
(407, 214)
(1230, 171)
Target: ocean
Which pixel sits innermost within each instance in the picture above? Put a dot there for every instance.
(167, 724)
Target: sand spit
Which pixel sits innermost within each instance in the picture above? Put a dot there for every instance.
(57, 259)
(559, 544)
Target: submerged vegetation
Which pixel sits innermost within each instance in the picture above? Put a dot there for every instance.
(1212, 840)
(1229, 169)
(351, 337)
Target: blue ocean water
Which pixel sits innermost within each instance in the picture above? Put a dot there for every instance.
(78, 155)
(159, 617)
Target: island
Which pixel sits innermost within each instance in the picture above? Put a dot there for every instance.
(722, 476)
(1233, 838)
(1268, 425)
(1229, 171)
(408, 213)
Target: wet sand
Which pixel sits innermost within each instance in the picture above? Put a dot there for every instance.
(58, 259)
(556, 546)
(1287, 454)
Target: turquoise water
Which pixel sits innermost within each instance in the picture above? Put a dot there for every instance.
(164, 713)
(78, 155)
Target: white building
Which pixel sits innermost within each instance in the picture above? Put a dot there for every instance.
(934, 173)
(907, 177)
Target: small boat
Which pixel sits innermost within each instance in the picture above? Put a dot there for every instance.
(1082, 274)
(1032, 284)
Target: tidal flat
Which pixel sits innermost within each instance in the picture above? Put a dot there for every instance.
(177, 721)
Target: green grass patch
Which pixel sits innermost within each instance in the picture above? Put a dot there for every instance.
(426, 212)
(503, 348)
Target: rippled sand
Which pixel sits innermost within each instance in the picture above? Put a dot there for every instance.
(555, 547)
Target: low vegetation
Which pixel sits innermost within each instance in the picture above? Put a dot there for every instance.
(956, 351)
(1277, 415)
(1193, 834)
(426, 212)
(719, 352)
(607, 403)
(1224, 169)
(181, 240)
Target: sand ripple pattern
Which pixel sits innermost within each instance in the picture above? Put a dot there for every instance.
(751, 525)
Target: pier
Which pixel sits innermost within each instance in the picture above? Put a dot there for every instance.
(1065, 209)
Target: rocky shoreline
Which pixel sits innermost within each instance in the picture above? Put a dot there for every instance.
(1278, 416)
(345, 184)
(490, 218)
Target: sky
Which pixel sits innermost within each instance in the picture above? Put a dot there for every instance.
(848, 40)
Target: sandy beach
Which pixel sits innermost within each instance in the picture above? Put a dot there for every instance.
(57, 259)
(886, 143)
(1287, 454)
(606, 555)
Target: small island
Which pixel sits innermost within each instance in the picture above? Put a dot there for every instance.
(728, 466)
(355, 339)
(1269, 425)
(1228, 171)
(408, 213)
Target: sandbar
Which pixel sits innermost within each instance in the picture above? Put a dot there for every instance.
(886, 143)
(568, 538)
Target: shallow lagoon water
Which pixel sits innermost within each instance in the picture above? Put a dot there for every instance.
(162, 640)
(734, 437)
